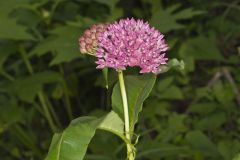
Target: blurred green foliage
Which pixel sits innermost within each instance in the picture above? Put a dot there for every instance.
(45, 82)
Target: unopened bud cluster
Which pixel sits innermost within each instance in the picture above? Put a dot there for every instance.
(89, 41)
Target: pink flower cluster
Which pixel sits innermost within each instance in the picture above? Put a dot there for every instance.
(131, 42)
(88, 42)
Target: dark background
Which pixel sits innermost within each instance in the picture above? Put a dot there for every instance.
(190, 115)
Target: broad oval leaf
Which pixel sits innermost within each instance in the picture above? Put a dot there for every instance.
(138, 88)
(73, 142)
(113, 123)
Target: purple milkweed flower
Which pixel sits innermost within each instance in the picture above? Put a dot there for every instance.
(131, 42)
(88, 42)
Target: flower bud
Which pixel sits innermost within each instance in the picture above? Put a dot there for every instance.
(89, 41)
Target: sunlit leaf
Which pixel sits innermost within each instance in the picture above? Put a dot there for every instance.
(73, 142)
(138, 89)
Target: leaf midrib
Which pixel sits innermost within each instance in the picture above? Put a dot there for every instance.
(59, 147)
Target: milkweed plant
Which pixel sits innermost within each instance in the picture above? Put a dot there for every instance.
(118, 45)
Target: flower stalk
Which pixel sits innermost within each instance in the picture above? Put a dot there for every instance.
(130, 151)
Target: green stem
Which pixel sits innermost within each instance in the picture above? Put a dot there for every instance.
(7, 76)
(40, 94)
(54, 7)
(55, 117)
(66, 96)
(130, 151)
(25, 59)
(46, 112)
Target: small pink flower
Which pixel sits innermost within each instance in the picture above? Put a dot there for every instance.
(131, 42)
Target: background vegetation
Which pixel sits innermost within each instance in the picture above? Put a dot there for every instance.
(45, 82)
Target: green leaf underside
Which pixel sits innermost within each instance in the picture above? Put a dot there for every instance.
(113, 123)
(138, 88)
(73, 142)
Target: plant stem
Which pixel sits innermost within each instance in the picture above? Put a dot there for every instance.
(130, 152)
(40, 94)
(55, 117)
(7, 76)
(66, 95)
(46, 112)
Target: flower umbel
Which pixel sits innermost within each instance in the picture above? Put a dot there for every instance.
(131, 42)
(89, 41)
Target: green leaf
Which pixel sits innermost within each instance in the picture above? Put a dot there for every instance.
(8, 6)
(151, 148)
(9, 29)
(155, 107)
(202, 108)
(28, 18)
(228, 149)
(138, 88)
(26, 88)
(113, 123)
(72, 143)
(10, 112)
(237, 157)
(212, 121)
(223, 92)
(110, 3)
(172, 64)
(63, 43)
(163, 84)
(201, 48)
(200, 142)
(166, 19)
(6, 49)
(172, 92)
(176, 122)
